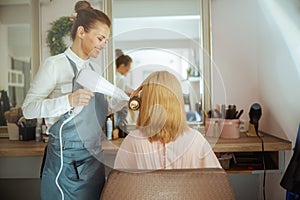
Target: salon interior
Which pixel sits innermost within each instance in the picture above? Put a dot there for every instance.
(224, 52)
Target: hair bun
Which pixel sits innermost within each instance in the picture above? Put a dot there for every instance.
(119, 53)
(82, 5)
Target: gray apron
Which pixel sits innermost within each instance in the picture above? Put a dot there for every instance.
(83, 174)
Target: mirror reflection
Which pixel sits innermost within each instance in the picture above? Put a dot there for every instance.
(15, 40)
(164, 36)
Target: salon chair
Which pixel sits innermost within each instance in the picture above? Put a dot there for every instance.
(173, 184)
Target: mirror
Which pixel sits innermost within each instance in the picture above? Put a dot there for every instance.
(15, 61)
(162, 36)
(23, 43)
(20, 46)
(15, 39)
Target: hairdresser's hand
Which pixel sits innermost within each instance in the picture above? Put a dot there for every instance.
(80, 97)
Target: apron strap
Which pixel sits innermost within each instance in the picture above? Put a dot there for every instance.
(91, 67)
(75, 70)
(74, 67)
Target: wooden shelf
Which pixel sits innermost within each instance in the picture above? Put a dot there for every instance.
(249, 144)
(243, 144)
(247, 151)
(21, 148)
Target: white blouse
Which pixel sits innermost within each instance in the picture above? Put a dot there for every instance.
(48, 95)
(190, 150)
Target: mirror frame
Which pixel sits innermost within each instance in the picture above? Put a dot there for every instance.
(206, 45)
(36, 42)
(207, 60)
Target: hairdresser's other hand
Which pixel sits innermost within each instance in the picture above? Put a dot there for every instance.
(80, 97)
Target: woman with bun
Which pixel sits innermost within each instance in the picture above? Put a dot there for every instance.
(123, 65)
(73, 167)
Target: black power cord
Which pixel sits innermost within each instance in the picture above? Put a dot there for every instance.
(263, 160)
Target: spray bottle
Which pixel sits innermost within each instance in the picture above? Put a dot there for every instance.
(109, 129)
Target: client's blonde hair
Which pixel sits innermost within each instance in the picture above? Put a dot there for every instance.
(161, 116)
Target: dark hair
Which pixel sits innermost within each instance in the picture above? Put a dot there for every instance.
(119, 53)
(87, 17)
(123, 59)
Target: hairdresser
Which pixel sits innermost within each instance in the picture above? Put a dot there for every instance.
(123, 65)
(73, 167)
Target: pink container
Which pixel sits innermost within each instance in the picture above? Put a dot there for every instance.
(230, 128)
(224, 128)
(212, 127)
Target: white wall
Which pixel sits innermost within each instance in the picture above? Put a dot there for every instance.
(15, 14)
(61, 8)
(256, 46)
(258, 60)
(53, 11)
(3, 57)
(234, 53)
(280, 61)
(16, 18)
(128, 8)
(14, 37)
(19, 42)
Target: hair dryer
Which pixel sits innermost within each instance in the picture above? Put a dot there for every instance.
(255, 114)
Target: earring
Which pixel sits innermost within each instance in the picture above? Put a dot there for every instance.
(134, 103)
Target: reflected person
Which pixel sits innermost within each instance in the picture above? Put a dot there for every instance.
(123, 64)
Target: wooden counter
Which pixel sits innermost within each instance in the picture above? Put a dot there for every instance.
(21, 148)
(250, 144)
(11, 148)
(243, 144)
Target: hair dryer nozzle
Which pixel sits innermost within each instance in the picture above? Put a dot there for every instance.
(96, 83)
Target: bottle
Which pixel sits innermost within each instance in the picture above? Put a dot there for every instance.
(38, 130)
(122, 130)
(109, 129)
(44, 131)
